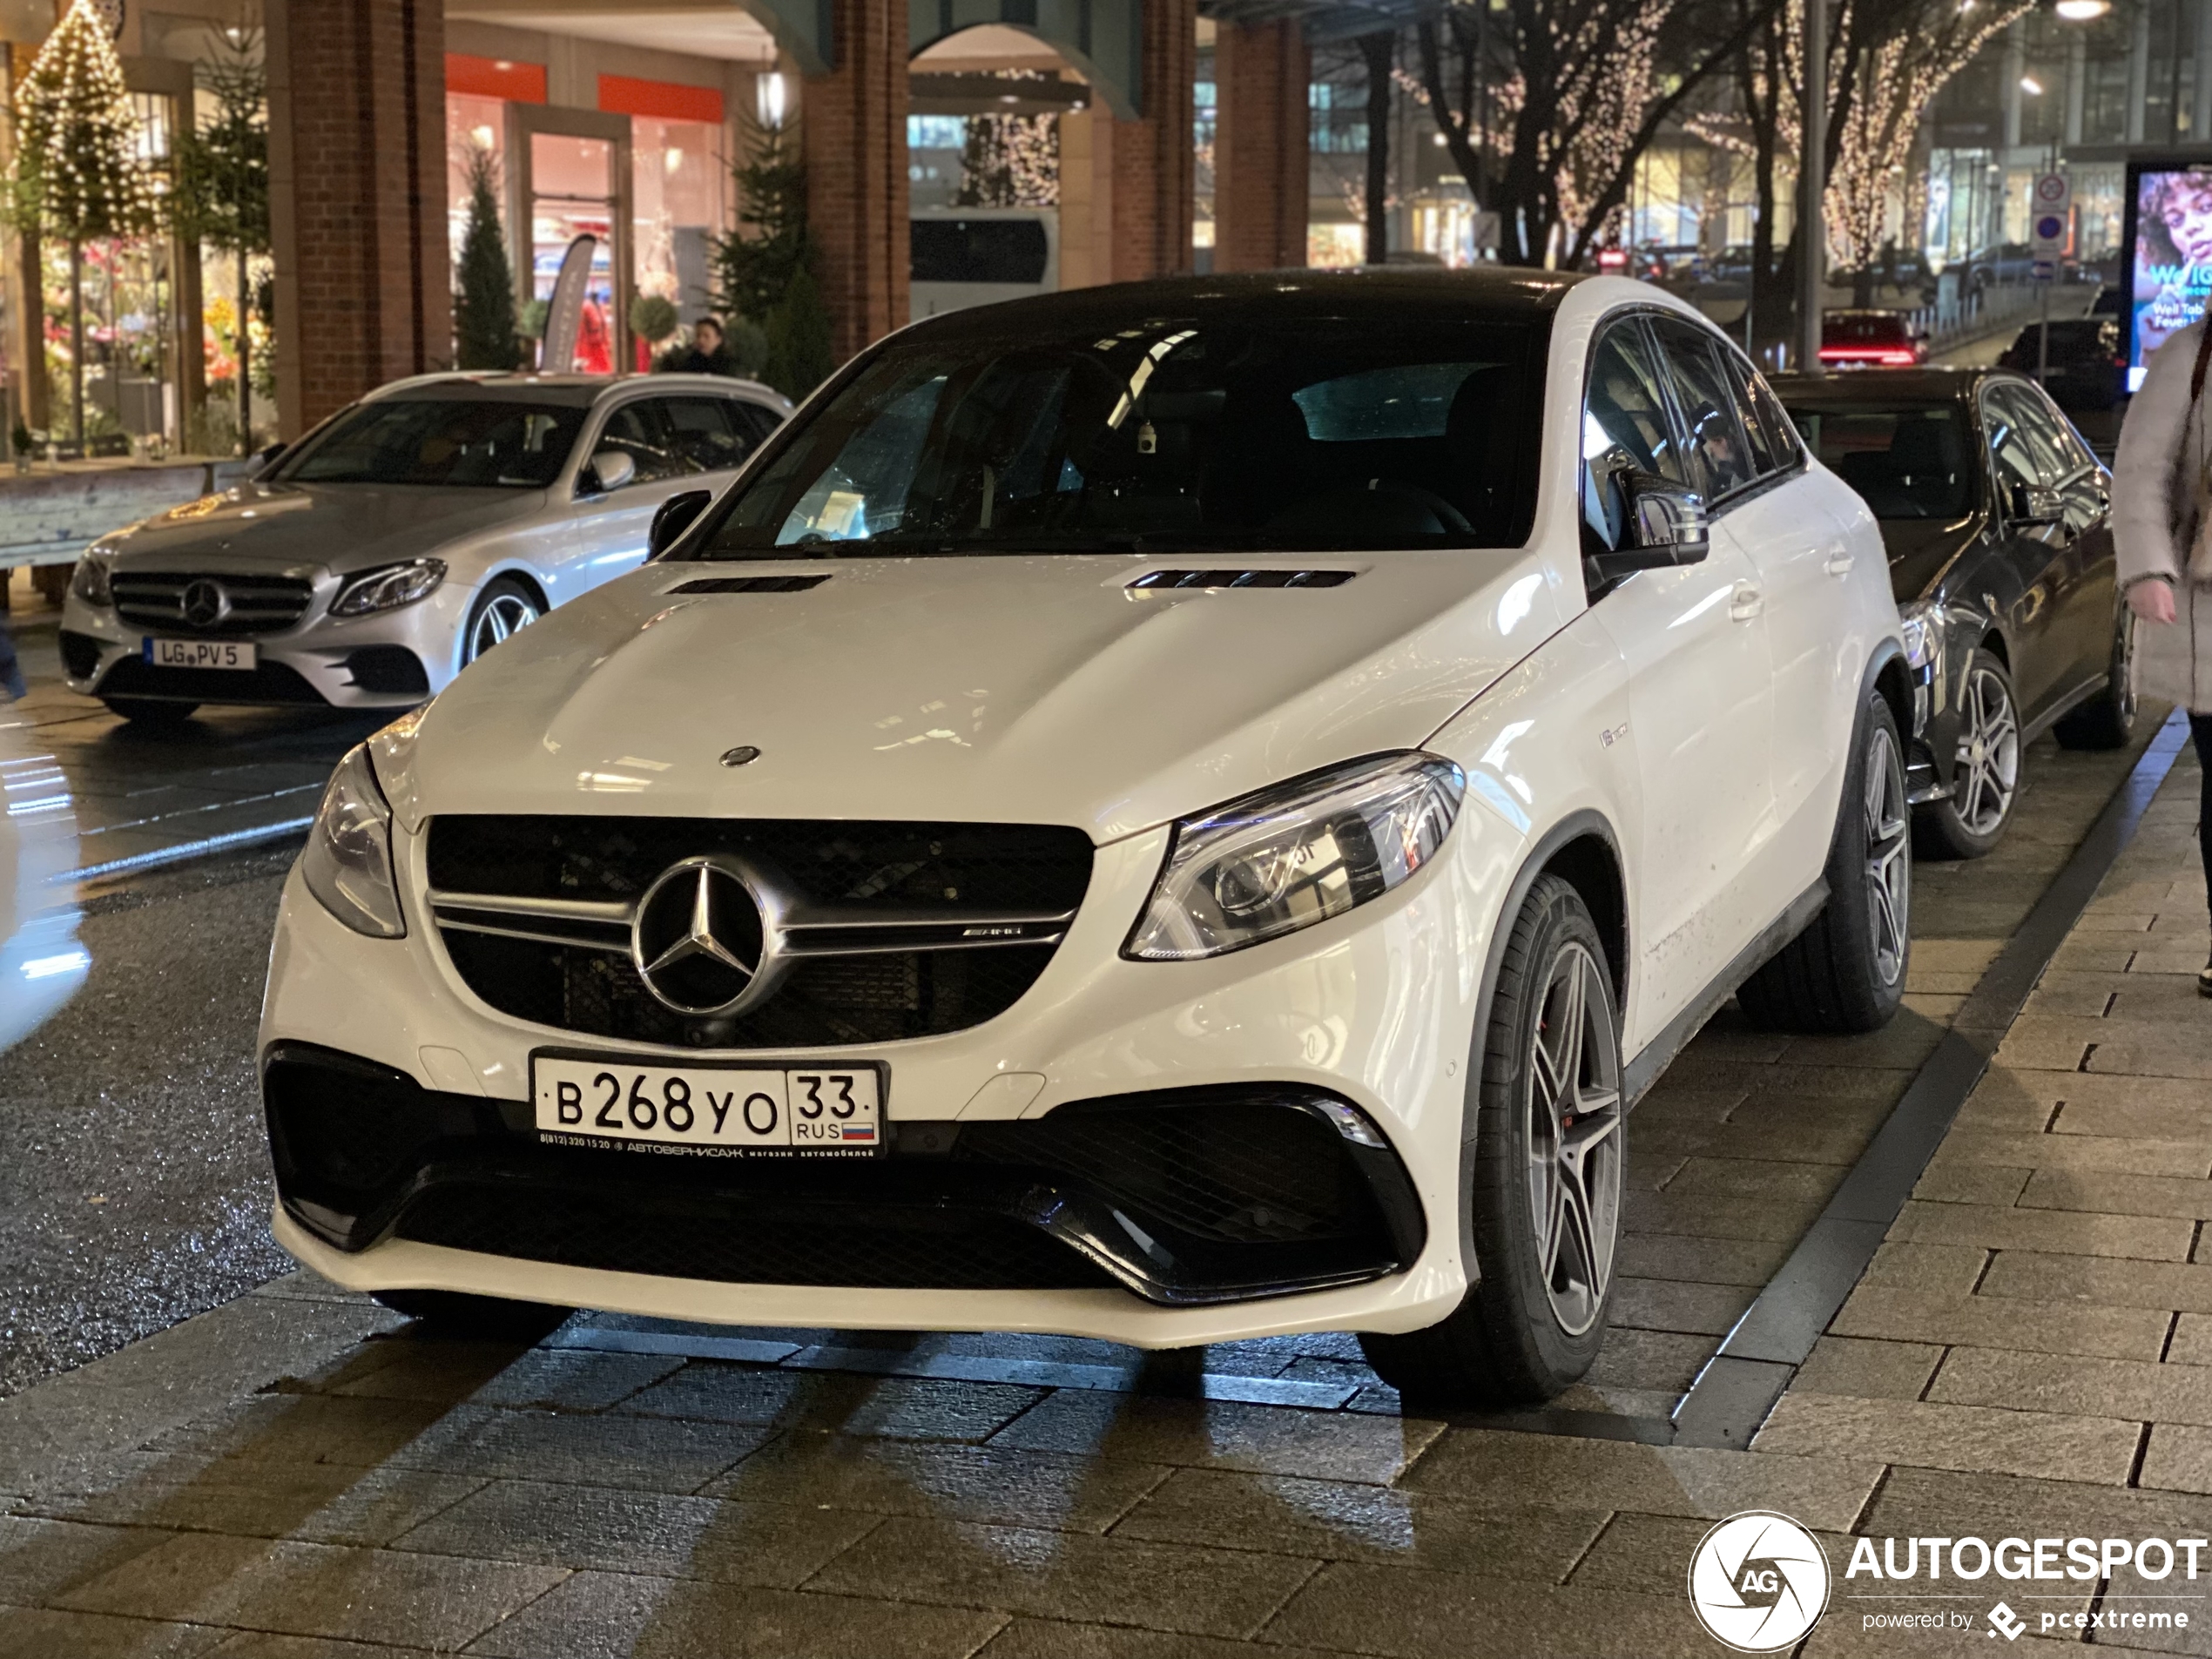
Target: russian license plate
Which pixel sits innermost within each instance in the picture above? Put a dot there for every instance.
(202, 653)
(743, 1110)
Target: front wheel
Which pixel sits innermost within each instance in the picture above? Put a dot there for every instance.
(1544, 1204)
(503, 607)
(2107, 720)
(1845, 973)
(1986, 775)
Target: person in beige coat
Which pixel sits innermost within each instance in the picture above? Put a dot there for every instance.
(2161, 526)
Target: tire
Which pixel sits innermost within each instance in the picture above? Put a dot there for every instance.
(1846, 972)
(503, 606)
(1544, 1204)
(150, 713)
(2107, 720)
(453, 1313)
(1985, 783)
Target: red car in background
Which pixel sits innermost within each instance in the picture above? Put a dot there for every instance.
(1869, 340)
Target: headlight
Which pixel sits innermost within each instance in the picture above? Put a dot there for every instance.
(390, 588)
(1922, 624)
(1296, 854)
(90, 582)
(348, 861)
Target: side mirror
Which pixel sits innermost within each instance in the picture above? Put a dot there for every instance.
(1665, 526)
(2035, 504)
(611, 469)
(676, 514)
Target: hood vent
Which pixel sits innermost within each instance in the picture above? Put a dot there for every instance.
(750, 585)
(1243, 579)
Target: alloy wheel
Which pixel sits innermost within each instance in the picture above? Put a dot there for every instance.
(1573, 1139)
(1889, 864)
(1989, 754)
(504, 616)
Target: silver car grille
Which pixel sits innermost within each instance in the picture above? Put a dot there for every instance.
(196, 602)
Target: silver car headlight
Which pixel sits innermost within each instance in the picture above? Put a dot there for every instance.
(348, 864)
(90, 583)
(389, 588)
(1922, 624)
(1296, 854)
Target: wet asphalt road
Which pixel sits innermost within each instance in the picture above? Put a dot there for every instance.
(134, 1183)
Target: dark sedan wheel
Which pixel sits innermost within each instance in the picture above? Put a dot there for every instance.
(1544, 1204)
(1986, 773)
(2107, 720)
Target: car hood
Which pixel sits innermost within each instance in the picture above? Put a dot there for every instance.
(1012, 689)
(1921, 549)
(330, 527)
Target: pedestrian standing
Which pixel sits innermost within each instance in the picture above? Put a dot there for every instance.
(12, 679)
(2161, 523)
(706, 354)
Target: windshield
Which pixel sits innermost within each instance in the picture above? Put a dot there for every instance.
(1907, 463)
(1170, 433)
(439, 441)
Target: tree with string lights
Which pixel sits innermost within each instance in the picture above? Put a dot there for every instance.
(80, 171)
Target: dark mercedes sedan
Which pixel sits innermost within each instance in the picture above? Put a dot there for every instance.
(1992, 510)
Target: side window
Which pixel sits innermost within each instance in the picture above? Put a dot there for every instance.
(756, 419)
(2053, 432)
(704, 432)
(2020, 452)
(635, 428)
(1773, 435)
(1719, 452)
(1624, 425)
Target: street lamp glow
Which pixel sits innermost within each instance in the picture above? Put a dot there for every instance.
(2082, 11)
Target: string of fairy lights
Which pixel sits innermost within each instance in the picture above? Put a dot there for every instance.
(79, 172)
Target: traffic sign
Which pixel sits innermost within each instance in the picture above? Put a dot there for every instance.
(2054, 202)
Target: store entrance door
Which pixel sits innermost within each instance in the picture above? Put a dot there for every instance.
(568, 175)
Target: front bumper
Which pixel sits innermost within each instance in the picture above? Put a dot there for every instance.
(1374, 1010)
(392, 660)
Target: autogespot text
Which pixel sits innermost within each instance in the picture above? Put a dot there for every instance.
(2084, 1560)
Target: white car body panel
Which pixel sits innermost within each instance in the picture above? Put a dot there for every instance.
(1041, 690)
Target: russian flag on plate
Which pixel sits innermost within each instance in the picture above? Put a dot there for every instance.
(858, 1132)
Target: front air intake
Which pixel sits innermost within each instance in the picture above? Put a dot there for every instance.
(1243, 578)
(750, 585)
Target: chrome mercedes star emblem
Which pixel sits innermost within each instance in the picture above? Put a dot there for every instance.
(204, 603)
(697, 939)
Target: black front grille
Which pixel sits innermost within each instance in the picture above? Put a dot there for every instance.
(267, 682)
(1182, 1196)
(249, 605)
(868, 871)
(889, 1249)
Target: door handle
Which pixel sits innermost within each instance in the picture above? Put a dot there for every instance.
(1838, 564)
(1747, 604)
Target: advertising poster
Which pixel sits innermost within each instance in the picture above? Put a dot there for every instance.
(2168, 238)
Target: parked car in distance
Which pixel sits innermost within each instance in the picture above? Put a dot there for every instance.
(1993, 513)
(1167, 813)
(2086, 369)
(402, 538)
(1870, 339)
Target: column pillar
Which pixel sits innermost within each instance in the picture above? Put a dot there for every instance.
(2077, 77)
(1152, 156)
(852, 124)
(1260, 146)
(2201, 76)
(2138, 71)
(357, 198)
(2015, 66)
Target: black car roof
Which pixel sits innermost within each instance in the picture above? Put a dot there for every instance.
(1412, 294)
(1879, 387)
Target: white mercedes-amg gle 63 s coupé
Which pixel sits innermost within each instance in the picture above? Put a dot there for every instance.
(1167, 813)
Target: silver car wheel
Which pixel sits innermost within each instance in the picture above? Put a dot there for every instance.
(505, 614)
(1889, 863)
(1989, 754)
(1574, 1147)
